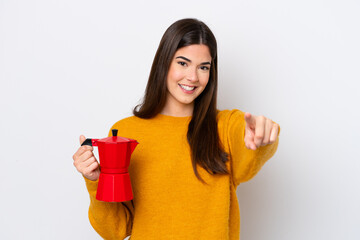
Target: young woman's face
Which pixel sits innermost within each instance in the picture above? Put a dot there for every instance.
(188, 74)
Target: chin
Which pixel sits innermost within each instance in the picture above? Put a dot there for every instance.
(187, 102)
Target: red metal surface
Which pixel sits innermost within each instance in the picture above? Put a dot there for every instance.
(114, 181)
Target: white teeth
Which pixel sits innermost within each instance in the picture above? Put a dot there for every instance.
(187, 88)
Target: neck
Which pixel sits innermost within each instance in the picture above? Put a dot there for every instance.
(176, 109)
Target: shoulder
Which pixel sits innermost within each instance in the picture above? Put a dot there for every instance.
(224, 117)
(127, 121)
(127, 126)
(230, 122)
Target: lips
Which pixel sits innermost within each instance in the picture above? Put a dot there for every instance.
(187, 87)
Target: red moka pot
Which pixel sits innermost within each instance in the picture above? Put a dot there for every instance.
(114, 156)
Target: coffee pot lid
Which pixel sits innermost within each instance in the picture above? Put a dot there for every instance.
(116, 139)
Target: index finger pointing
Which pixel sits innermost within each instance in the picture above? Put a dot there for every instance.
(250, 119)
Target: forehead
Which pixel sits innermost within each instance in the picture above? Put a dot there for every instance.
(195, 52)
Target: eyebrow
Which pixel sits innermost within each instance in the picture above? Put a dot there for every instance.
(186, 59)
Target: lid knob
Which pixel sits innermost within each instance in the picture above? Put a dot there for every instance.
(114, 132)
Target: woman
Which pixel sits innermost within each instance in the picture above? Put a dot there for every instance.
(191, 157)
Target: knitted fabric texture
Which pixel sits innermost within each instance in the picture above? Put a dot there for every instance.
(169, 201)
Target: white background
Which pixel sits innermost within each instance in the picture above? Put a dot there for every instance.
(76, 67)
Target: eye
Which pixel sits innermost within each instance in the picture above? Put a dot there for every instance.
(205, 68)
(182, 63)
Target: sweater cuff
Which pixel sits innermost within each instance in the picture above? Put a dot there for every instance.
(91, 186)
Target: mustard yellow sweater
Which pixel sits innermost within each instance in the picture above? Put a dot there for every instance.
(170, 202)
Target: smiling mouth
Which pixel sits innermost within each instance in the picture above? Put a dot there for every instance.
(187, 88)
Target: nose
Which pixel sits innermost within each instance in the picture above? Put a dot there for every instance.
(192, 75)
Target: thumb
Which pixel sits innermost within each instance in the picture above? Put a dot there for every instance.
(82, 139)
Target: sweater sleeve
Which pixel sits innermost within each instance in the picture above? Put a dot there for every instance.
(111, 220)
(245, 163)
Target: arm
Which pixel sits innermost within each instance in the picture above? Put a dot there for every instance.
(111, 220)
(245, 162)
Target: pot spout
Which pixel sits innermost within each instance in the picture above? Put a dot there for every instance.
(133, 146)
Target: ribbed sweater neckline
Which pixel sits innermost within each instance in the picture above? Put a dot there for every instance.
(173, 119)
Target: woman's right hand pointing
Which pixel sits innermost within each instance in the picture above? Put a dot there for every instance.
(85, 161)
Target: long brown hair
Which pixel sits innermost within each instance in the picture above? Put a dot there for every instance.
(202, 135)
